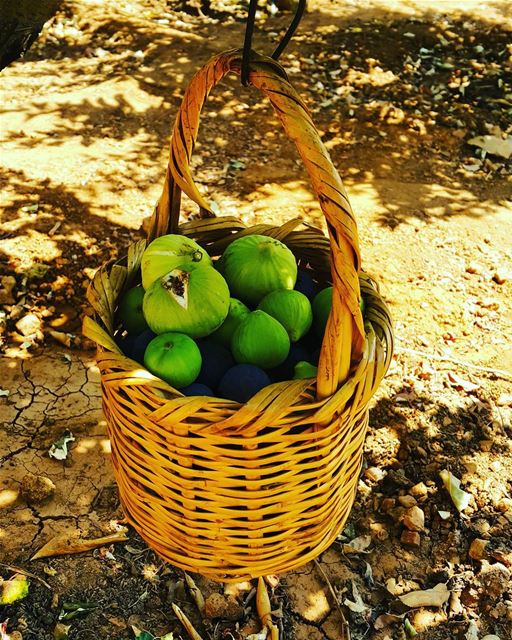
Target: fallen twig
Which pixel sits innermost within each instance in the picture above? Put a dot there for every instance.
(186, 623)
(500, 373)
(346, 628)
(25, 573)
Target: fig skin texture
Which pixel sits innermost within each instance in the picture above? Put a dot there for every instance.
(237, 312)
(292, 309)
(174, 357)
(260, 340)
(255, 265)
(169, 252)
(194, 302)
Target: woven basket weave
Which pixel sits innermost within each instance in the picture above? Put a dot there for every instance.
(236, 491)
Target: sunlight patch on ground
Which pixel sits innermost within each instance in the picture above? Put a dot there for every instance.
(489, 11)
(42, 248)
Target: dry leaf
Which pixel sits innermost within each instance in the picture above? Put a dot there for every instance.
(461, 384)
(195, 593)
(358, 545)
(472, 632)
(262, 635)
(459, 497)
(357, 605)
(386, 619)
(62, 545)
(434, 597)
(494, 145)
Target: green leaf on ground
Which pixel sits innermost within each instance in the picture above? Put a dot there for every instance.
(14, 589)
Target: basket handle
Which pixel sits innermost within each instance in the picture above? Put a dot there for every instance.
(344, 335)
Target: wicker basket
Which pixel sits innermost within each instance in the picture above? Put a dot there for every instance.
(235, 491)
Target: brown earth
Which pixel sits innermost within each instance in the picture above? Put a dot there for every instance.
(397, 89)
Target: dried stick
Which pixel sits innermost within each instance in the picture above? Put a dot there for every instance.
(25, 573)
(500, 373)
(346, 628)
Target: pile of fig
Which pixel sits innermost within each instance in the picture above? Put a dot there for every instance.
(227, 328)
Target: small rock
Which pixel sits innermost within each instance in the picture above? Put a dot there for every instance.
(29, 325)
(235, 589)
(379, 531)
(419, 490)
(474, 267)
(477, 549)
(491, 637)
(410, 538)
(485, 445)
(388, 504)
(414, 519)
(505, 504)
(407, 501)
(66, 318)
(7, 284)
(500, 276)
(421, 451)
(469, 597)
(374, 474)
(495, 579)
(36, 489)
(220, 606)
(505, 400)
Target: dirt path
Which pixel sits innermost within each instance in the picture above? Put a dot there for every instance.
(398, 91)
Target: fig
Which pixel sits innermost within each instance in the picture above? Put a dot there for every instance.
(260, 340)
(193, 301)
(242, 381)
(216, 360)
(255, 265)
(174, 357)
(130, 311)
(292, 309)
(169, 252)
(236, 313)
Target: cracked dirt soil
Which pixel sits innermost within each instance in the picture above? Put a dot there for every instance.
(85, 128)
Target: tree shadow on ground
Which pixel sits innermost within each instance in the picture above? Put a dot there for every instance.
(382, 100)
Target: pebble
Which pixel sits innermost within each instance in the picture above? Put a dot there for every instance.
(374, 474)
(414, 519)
(410, 538)
(500, 276)
(477, 549)
(419, 490)
(36, 489)
(504, 400)
(7, 284)
(495, 578)
(388, 504)
(29, 325)
(221, 606)
(505, 504)
(485, 445)
(379, 531)
(407, 501)
(474, 267)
